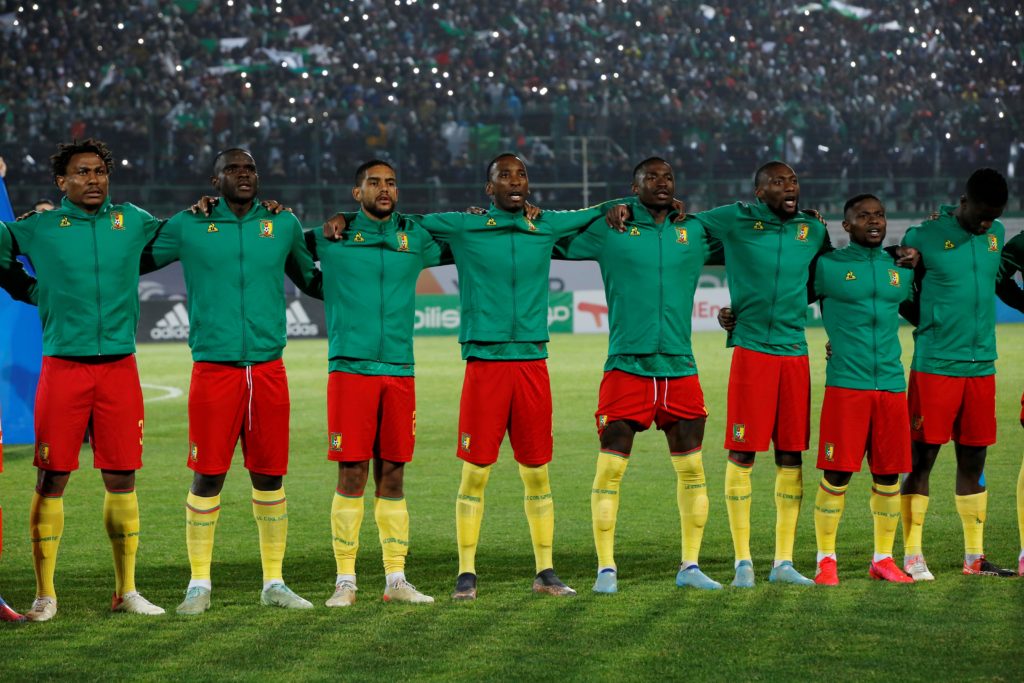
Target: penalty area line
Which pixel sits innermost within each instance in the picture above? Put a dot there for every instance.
(168, 392)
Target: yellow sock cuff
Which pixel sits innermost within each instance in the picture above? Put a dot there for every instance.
(202, 505)
(887, 490)
(832, 489)
(691, 462)
(268, 497)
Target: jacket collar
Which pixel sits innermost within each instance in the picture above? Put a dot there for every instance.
(69, 208)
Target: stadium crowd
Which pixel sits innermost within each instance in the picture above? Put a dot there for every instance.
(870, 89)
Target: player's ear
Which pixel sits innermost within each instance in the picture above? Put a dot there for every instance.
(635, 188)
(357, 194)
(489, 189)
(61, 182)
(846, 226)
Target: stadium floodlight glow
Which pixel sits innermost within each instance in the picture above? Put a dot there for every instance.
(355, 65)
(615, 75)
(309, 120)
(324, 72)
(231, 3)
(853, 64)
(911, 29)
(255, 124)
(597, 60)
(284, 65)
(980, 60)
(973, 53)
(378, 79)
(141, 41)
(242, 74)
(490, 74)
(801, 29)
(444, 75)
(923, 45)
(391, 98)
(433, 69)
(293, 119)
(917, 11)
(1000, 114)
(278, 10)
(604, 77)
(345, 19)
(437, 85)
(934, 75)
(178, 67)
(291, 100)
(638, 23)
(450, 93)
(544, 91)
(366, 17)
(71, 84)
(899, 52)
(823, 149)
(120, 26)
(621, 48)
(35, 7)
(305, 74)
(495, 35)
(394, 84)
(416, 70)
(732, 39)
(248, 84)
(87, 84)
(948, 136)
(533, 89)
(435, 6)
(970, 10)
(124, 162)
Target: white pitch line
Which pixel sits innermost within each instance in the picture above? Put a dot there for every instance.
(169, 392)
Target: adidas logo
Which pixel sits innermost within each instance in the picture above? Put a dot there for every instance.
(174, 325)
(298, 322)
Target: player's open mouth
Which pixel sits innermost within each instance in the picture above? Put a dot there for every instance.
(244, 186)
(662, 194)
(515, 195)
(789, 203)
(874, 232)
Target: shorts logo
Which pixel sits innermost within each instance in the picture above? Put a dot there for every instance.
(681, 236)
(830, 452)
(359, 237)
(759, 226)
(266, 229)
(193, 451)
(949, 245)
(993, 243)
(850, 275)
(403, 242)
(490, 223)
(917, 422)
(739, 433)
(530, 225)
(117, 220)
(212, 227)
(64, 222)
(634, 231)
(414, 423)
(802, 231)
(334, 442)
(464, 441)
(43, 451)
(894, 277)
(602, 421)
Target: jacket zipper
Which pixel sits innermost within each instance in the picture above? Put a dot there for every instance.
(380, 345)
(96, 273)
(241, 283)
(874, 317)
(775, 290)
(512, 242)
(661, 287)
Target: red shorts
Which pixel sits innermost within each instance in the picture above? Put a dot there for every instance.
(769, 400)
(645, 400)
(225, 403)
(104, 398)
(500, 396)
(958, 408)
(370, 416)
(856, 421)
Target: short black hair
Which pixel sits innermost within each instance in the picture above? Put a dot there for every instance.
(643, 164)
(495, 160)
(366, 166)
(224, 152)
(66, 150)
(763, 169)
(987, 186)
(855, 200)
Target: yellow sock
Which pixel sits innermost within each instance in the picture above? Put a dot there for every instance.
(121, 518)
(201, 515)
(829, 504)
(789, 492)
(469, 513)
(913, 507)
(885, 511)
(270, 508)
(972, 510)
(692, 499)
(346, 519)
(1020, 505)
(604, 505)
(540, 513)
(46, 526)
(392, 517)
(737, 504)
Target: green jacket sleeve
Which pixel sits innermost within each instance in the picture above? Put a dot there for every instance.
(13, 278)
(717, 221)
(310, 237)
(165, 248)
(1009, 265)
(443, 225)
(566, 223)
(299, 266)
(818, 280)
(826, 247)
(716, 251)
(584, 246)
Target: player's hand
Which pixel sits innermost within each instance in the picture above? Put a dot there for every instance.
(204, 205)
(617, 216)
(726, 319)
(828, 350)
(27, 214)
(3, 167)
(275, 207)
(679, 206)
(335, 226)
(476, 210)
(532, 212)
(908, 257)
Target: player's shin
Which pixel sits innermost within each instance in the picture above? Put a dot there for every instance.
(604, 505)
(346, 520)
(121, 519)
(737, 504)
(392, 516)
(46, 526)
(201, 516)
(913, 508)
(972, 510)
(789, 493)
(540, 513)
(885, 513)
(469, 513)
(270, 509)
(692, 499)
(829, 503)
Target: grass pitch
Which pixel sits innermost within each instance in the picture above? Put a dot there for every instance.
(955, 628)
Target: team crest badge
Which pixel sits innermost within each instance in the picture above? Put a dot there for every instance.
(802, 231)
(491, 222)
(634, 231)
(193, 452)
(602, 421)
(850, 275)
(334, 442)
(894, 277)
(949, 245)
(43, 451)
(266, 228)
(403, 242)
(830, 452)
(993, 243)
(64, 222)
(759, 226)
(464, 441)
(681, 236)
(739, 433)
(212, 227)
(917, 423)
(359, 237)
(117, 220)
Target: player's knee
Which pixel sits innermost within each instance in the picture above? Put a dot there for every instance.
(789, 458)
(843, 478)
(52, 483)
(534, 477)
(207, 485)
(618, 436)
